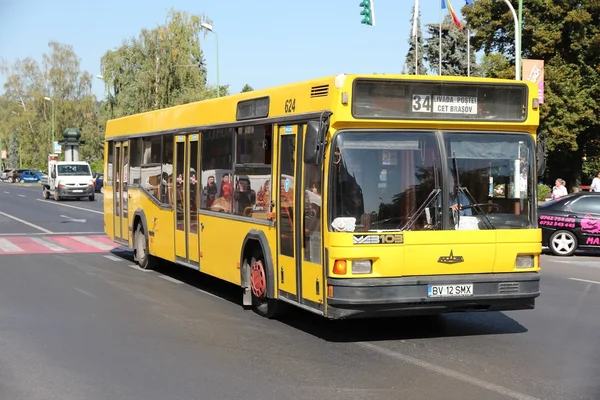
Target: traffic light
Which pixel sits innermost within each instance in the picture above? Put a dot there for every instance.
(368, 12)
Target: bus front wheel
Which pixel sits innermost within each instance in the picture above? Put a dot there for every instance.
(261, 303)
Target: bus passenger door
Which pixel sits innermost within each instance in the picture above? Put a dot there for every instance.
(193, 200)
(180, 183)
(286, 214)
(310, 182)
(121, 221)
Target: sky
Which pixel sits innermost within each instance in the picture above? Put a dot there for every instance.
(261, 43)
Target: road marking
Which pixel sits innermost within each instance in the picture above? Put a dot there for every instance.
(168, 278)
(52, 234)
(21, 195)
(7, 246)
(113, 258)
(93, 243)
(584, 280)
(6, 192)
(25, 222)
(448, 372)
(47, 244)
(210, 294)
(73, 219)
(135, 266)
(84, 292)
(70, 206)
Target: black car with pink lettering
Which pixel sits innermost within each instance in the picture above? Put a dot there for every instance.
(571, 223)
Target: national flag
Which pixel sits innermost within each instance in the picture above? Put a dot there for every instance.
(452, 13)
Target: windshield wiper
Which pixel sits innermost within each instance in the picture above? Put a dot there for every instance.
(432, 196)
(465, 191)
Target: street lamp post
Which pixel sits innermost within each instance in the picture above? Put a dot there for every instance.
(517, 41)
(209, 27)
(52, 102)
(520, 29)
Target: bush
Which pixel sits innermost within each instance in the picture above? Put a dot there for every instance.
(543, 191)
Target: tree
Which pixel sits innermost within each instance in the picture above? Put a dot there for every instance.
(566, 35)
(247, 88)
(27, 115)
(411, 55)
(160, 68)
(454, 49)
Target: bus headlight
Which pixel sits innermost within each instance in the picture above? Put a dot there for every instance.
(362, 266)
(524, 261)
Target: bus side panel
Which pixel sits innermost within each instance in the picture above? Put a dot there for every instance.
(109, 217)
(161, 228)
(221, 241)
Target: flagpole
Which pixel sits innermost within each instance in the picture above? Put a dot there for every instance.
(440, 44)
(468, 52)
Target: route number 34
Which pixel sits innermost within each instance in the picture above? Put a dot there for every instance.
(421, 103)
(290, 105)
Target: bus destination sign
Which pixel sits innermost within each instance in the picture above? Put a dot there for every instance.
(439, 100)
(444, 104)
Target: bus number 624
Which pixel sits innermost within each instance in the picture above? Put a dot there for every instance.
(290, 105)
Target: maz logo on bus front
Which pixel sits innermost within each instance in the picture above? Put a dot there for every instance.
(378, 239)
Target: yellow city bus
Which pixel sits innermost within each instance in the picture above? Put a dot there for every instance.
(348, 196)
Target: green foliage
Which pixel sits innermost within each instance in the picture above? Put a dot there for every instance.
(27, 115)
(97, 166)
(162, 67)
(543, 191)
(247, 88)
(454, 49)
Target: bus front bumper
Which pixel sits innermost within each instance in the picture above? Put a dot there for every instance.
(415, 295)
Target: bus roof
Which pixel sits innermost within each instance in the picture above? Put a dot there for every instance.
(291, 99)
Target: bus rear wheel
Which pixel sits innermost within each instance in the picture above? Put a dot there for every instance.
(143, 258)
(259, 283)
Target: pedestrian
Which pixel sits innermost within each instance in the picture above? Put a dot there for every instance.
(595, 186)
(559, 190)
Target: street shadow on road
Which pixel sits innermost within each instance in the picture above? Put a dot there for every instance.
(368, 330)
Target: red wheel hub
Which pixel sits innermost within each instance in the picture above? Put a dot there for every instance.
(258, 279)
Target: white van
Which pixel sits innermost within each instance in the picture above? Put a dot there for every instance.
(68, 179)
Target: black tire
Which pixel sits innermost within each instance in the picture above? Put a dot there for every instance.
(140, 245)
(45, 193)
(563, 243)
(92, 197)
(56, 196)
(261, 303)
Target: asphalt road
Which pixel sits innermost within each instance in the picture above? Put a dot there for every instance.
(92, 326)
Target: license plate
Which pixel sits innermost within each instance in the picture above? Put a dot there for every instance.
(450, 290)
(77, 191)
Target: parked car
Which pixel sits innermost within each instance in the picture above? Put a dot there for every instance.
(31, 175)
(14, 176)
(5, 173)
(571, 223)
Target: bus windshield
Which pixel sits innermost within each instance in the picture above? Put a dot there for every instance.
(388, 181)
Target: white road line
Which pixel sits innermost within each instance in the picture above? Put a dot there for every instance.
(210, 294)
(6, 192)
(52, 234)
(48, 244)
(113, 258)
(84, 292)
(9, 247)
(584, 280)
(92, 242)
(70, 206)
(21, 195)
(168, 278)
(39, 228)
(448, 372)
(135, 266)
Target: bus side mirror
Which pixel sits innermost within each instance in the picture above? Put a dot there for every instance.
(541, 154)
(53, 174)
(313, 143)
